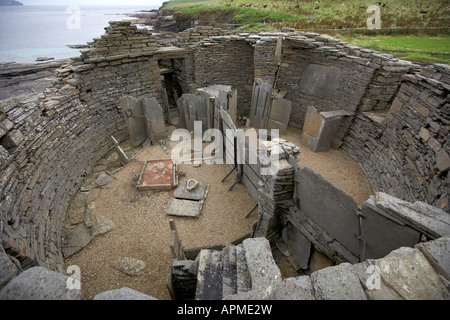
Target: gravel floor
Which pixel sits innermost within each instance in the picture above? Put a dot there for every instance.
(142, 227)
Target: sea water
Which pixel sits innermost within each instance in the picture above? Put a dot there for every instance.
(30, 32)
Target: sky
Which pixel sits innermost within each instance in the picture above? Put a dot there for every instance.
(94, 2)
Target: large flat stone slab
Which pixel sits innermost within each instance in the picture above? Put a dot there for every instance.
(199, 193)
(209, 276)
(184, 208)
(76, 239)
(134, 118)
(8, 269)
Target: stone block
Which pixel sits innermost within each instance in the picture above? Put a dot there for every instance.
(337, 283)
(13, 139)
(443, 161)
(262, 267)
(184, 208)
(75, 240)
(39, 283)
(155, 115)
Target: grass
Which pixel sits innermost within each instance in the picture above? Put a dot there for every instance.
(416, 30)
(413, 48)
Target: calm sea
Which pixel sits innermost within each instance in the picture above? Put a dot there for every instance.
(30, 32)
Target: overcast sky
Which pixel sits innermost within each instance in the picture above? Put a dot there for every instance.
(157, 3)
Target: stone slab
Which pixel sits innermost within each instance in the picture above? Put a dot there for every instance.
(330, 207)
(320, 81)
(383, 235)
(199, 193)
(9, 270)
(75, 240)
(433, 221)
(133, 115)
(209, 276)
(184, 208)
(337, 283)
(155, 114)
(262, 267)
(299, 245)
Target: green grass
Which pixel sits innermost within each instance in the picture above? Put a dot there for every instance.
(416, 30)
(413, 48)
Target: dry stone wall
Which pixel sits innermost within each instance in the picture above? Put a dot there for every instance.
(51, 141)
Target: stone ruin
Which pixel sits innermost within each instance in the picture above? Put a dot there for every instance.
(391, 116)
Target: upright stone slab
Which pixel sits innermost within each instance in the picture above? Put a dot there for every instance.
(134, 118)
(8, 269)
(155, 115)
(330, 207)
(320, 81)
(262, 267)
(279, 115)
(299, 245)
(382, 233)
(209, 276)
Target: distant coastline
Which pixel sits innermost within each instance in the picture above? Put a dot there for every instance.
(10, 3)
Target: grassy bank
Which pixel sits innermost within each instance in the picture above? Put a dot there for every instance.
(417, 30)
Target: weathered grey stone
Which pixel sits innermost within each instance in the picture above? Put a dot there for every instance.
(337, 283)
(39, 283)
(443, 161)
(130, 266)
(424, 217)
(75, 240)
(155, 114)
(123, 294)
(134, 117)
(408, 273)
(299, 245)
(209, 276)
(199, 193)
(437, 252)
(104, 225)
(262, 267)
(184, 208)
(320, 81)
(103, 179)
(8, 269)
(382, 234)
(331, 208)
(229, 274)
(299, 288)
(13, 139)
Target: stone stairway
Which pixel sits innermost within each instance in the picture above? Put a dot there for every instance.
(236, 270)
